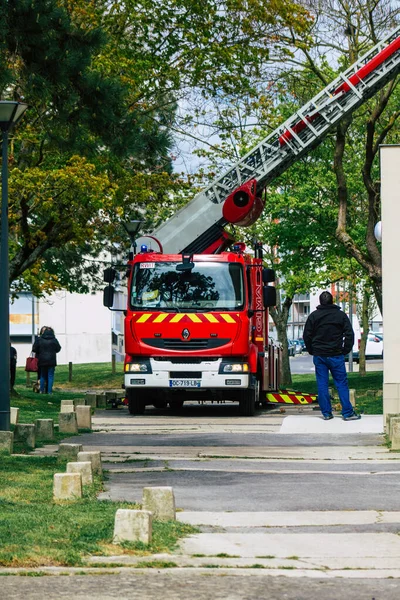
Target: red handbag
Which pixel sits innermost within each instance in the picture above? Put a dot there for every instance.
(32, 364)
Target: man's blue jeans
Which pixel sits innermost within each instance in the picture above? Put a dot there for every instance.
(336, 365)
(46, 375)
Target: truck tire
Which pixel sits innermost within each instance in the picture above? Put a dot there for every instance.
(175, 405)
(136, 402)
(247, 402)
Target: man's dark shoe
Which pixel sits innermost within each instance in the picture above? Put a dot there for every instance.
(328, 417)
(353, 417)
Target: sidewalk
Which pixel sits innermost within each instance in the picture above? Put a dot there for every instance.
(321, 497)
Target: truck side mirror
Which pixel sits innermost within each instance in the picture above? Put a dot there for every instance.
(108, 296)
(269, 296)
(109, 275)
(268, 275)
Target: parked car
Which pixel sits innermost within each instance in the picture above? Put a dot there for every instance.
(291, 348)
(373, 349)
(300, 346)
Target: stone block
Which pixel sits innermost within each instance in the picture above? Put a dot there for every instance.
(80, 402)
(392, 422)
(91, 399)
(84, 417)
(69, 451)
(44, 429)
(94, 457)
(353, 397)
(67, 423)
(387, 421)
(395, 428)
(67, 486)
(25, 432)
(6, 441)
(84, 468)
(101, 401)
(111, 398)
(14, 415)
(67, 406)
(132, 526)
(160, 501)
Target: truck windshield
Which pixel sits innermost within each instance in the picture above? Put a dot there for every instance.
(208, 286)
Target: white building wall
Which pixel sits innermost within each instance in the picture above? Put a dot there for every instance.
(81, 324)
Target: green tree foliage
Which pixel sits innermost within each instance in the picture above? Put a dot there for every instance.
(103, 81)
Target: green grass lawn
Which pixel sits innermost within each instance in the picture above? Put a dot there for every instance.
(84, 377)
(36, 531)
(366, 387)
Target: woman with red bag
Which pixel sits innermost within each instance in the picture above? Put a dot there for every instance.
(46, 348)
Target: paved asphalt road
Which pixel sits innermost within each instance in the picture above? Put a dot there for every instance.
(302, 364)
(209, 584)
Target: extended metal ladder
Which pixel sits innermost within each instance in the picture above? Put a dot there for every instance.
(200, 222)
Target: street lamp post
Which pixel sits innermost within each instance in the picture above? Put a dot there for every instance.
(10, 114)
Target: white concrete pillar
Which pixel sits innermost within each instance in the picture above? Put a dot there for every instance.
(390, 194)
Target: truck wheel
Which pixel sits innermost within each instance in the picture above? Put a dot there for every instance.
(136, 402)
(175, 405)
(160, 403)
(247, 403)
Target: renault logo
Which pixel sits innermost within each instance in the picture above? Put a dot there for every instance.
(186, 334)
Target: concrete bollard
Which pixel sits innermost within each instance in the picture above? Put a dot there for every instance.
(91, 399)
(44, 429)
(6, 441)
(79, 402)
(101, 401)
(67, 423)
(84, 417)
(388, 417)
(393, 420)
(110, 399)
(69, 450)
(25, 432)
(94, 458)
(160, 501)
(84, 468)
(353, 397)
(67, 486)
(67, 406)
(14, 415)
(395, 439)
(132, 526)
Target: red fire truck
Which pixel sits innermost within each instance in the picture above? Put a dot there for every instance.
(196, 324)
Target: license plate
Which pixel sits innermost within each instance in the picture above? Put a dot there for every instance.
(185, 383)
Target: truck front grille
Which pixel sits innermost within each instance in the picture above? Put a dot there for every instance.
(185, 374)
(188, 345)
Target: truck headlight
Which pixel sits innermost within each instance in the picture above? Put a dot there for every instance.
(234, 368)
(142, 367)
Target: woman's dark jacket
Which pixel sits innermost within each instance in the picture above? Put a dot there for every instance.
(328, 332)
(46, 348)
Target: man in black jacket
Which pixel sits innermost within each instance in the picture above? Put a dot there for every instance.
(329, 336)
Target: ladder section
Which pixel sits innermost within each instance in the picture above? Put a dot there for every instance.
(304, 130)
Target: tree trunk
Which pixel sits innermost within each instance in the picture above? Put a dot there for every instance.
(280, 315)
(365, 328)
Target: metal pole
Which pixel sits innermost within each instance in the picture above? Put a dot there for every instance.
(351, 323)
(33, 319)
(4, 295)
